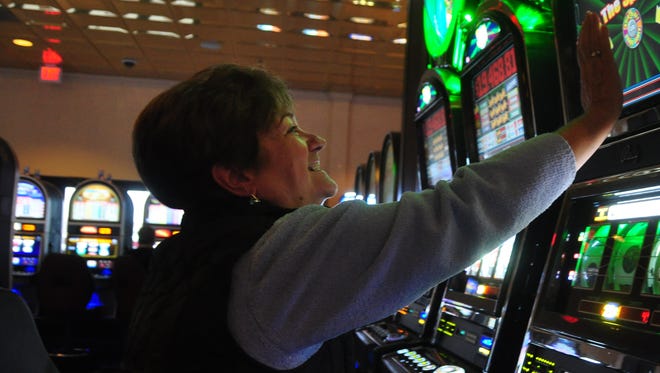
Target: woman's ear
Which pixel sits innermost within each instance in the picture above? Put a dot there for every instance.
(237, 182)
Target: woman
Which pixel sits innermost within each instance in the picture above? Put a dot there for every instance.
(261, 266)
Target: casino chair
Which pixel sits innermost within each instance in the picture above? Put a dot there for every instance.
(21, 347)
(64, 286)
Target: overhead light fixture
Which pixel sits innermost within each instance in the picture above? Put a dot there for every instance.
(22, 43)
(318, 17)
(159, 18)
(361, 37)
(269, 11)
(107, 28)
(362, 20)
(102, 13)
(400, 41)
(269, 28)
(184, 3)
(313, 32)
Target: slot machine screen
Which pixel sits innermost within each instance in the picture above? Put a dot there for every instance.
(437, 161)
(25, 253)
(95, 202)
(159, 214)
(30, 201)
(373, 178)
(634, 28)
(498, 115)
(94, 247)
(607, 267)
(389, 167)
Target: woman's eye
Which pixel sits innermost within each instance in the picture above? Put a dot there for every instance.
(294, 129)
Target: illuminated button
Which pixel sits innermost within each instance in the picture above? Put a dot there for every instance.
(424, 363)
(29, 227)
(105, 230)
(402, 351)
(429, 367)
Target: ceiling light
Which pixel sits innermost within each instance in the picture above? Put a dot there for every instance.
(107, 28)
(361, 37)
(40, 8)
(269, 28)
(269, 11)
(402, 25)
(185, 3)
(158, 18)
(362, 20)
(131, 16)
(318, 17)
(188, 21)
(101, 13)
(312, 32)
(22, 42)
(400, 41)
(167, 34)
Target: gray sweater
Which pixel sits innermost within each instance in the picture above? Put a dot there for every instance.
(321, 272)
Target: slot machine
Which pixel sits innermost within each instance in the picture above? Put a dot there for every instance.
(440, 152)
(510, 92)
(598, 307)
(165, 220)
(99, 229)
(376, 337)
(8, 183)
(360, 185)
(372, 178)
(37, 230)
(99, 225)
(389, 168)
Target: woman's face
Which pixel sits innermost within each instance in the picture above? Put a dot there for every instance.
(289, 170)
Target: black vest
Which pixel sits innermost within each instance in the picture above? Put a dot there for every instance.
(180, 320)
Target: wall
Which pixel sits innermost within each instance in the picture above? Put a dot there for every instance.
(83, 124)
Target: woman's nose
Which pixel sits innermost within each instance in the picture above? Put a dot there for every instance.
(315, 142)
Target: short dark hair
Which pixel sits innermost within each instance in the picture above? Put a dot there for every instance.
(211, 118)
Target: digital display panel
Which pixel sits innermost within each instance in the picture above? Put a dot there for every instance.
(497, 108)
(436, 146)
(389, 171)
(26, 250)
(609, 257)
(634, 29)
(93, 247)
(95, 202)
(30, 201)
(485, 276)
(159, 214)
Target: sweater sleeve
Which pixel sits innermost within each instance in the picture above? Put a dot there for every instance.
(319, 272)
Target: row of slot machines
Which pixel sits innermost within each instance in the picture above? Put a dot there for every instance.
(578, 290)
(97, 224)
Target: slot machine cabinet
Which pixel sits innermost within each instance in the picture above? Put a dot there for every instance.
(598, 308)
(360, 184)
(8, 183)
(37, 224)
(440, 152)
(372, 180)
(99, 229)
(633, 27)
(509, 92)
(37, 231)
(165, 220)
(389, 168)
(99, 225)
(599, 311)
